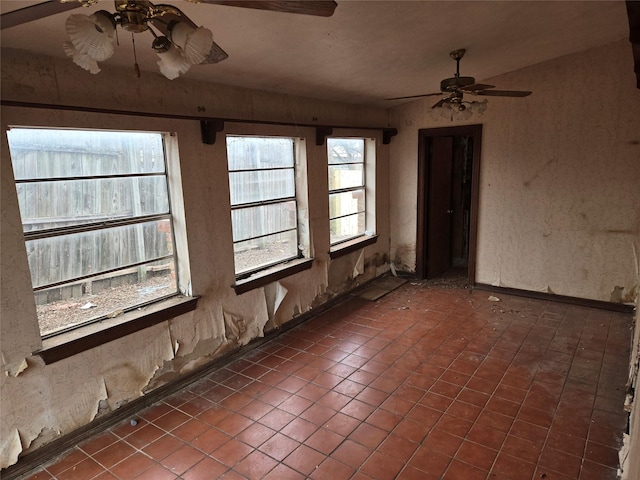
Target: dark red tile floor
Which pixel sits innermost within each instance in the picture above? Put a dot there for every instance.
(426, 383)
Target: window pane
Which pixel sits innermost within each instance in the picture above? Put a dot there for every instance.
(346, 176)
(346, 203)
(45, 205)
(78, 180)
(45, 153)
(67, 257)
(104, 295)
(346, 227)
(262, 220)
(265, 251)
(262, 172)
(345, 150)
(261, 185)
(346, 172)
(246, 153)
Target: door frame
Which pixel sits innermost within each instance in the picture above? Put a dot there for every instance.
(424, 134)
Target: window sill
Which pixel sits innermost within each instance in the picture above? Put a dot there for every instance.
(92, 335)
(352, 245)
(272, 274)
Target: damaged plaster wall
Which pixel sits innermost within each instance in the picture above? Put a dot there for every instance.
(630, 451)
(46, 400)
(559, 205)
(42, 402)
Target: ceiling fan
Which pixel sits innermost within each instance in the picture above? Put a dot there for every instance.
(455, 87)
(178, 42)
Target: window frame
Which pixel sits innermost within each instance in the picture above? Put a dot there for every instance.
(72, 339)
(264, 273)
(336, 245)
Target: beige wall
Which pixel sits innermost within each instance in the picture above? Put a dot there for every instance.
(630, 452)
(559, 183)
(41, 402)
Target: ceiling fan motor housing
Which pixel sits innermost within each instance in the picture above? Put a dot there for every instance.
(454, 83)
(133, 15)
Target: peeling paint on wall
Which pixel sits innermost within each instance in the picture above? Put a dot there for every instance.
(16, 368)
(281, 292)
(276, 298)
(358, 268)
(628, 454)
(42, 402)
(234, 327)
(11, 447)
(204, 351)
(85, 403)
(404, 257)
(616, 294)
(45, 436)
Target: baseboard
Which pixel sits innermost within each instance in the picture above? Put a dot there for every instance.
(583, 302)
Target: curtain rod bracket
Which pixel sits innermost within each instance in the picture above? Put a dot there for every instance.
(387, 133)
(209, 129)
(322, 132)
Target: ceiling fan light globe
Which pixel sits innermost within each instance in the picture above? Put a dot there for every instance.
(81, 59)
(478, 107)
(195, 43)
(172, 64)
(92, 35)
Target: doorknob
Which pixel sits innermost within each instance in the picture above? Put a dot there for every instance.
(449, 211)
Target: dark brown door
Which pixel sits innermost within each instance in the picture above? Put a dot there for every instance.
(439, 208)
(447, 209)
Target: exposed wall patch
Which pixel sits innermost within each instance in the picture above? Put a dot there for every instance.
(616, 295)
(45, 436)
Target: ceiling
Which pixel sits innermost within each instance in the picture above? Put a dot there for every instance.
(368, 50)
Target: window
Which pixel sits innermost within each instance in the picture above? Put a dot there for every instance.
(264, 207)
(97, 222)
(347, 202)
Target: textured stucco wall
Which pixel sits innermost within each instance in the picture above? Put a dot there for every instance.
(41, 402)
(559, 179)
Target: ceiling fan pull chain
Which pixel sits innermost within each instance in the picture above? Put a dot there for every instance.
(136, 67)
